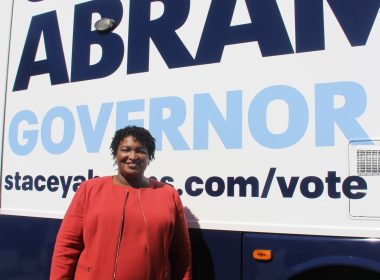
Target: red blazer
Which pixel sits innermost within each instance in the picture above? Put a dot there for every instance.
(87, 242)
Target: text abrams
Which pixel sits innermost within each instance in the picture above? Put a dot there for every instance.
(266, 28)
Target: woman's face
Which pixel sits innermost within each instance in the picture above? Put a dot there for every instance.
(132, 158)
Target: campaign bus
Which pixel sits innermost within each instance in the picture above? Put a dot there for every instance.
(265, 114)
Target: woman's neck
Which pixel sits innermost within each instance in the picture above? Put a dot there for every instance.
(139, 182)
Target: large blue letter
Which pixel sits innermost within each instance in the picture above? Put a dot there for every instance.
(54, 64)
(159, 124)
(68, 130)
(93, 137)
(356, 17)
(111, 43)
(298, 117)
(310, 32)
(267, 29)
(327, 115)
(123, 108)
(31, 136)
(229, 129)
(161, 31)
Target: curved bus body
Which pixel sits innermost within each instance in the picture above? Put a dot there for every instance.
(265, 114)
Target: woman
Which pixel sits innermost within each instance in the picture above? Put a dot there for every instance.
(125, 226)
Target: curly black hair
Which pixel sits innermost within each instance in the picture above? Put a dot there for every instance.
(139, 133)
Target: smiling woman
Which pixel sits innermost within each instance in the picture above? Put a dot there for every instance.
(114, 221)
(132, 160)
(132, 149)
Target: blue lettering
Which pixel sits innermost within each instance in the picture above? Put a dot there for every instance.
(39, 187)
(93, 137)
(8, 182)
(123, 109)
(17, 179)
(318, 187)
(167, 115)
(54, 64)
(160, 124)
(27, 184)
(327, 115)
(40, 183)
(229, 129)
(287, 190)
(309, 25)
(220, 186)
(68, 130)
(189, 186)
(332, 181)
(111, 43)
(298, 117)
(78, 180)
(30, 136)
(65, 184)
(242, 183)
(356, 17)
(267, 28)
(161, 31)
(354, 187)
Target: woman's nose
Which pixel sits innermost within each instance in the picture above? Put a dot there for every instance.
(132, 155)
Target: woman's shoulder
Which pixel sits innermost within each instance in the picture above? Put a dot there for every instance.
(165, 187)
(158, 184)
(97, 181)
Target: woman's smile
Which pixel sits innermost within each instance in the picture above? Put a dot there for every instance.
(132, 158)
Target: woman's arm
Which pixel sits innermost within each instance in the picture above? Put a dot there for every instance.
(69, 242)
(180, 252)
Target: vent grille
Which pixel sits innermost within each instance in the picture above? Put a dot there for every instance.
(368, 162)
